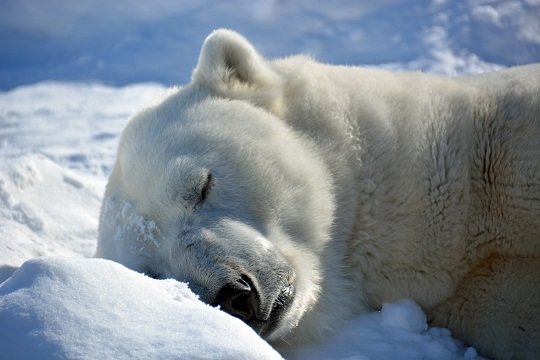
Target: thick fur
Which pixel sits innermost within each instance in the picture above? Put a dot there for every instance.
(356, 186)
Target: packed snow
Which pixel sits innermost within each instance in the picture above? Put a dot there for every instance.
(72, 308)
(58, 142)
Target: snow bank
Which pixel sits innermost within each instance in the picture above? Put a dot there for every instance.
(57, 144)
(45, 210)
(69, 308)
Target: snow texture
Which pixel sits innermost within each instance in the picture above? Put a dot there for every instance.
(72, 308)
(398, 331)
(58, 142)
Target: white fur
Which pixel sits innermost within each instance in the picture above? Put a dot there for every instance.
(373, 186)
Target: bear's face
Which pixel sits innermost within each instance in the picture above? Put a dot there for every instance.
(222, 195)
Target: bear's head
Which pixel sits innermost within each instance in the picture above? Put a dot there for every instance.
(211, 186)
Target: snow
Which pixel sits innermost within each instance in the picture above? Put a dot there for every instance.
(57, 145)
(398, 331)
(72, 308)
(59, 128)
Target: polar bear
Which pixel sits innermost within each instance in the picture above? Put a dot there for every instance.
(295, 194)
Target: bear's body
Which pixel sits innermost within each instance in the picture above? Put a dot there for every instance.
(296, 194)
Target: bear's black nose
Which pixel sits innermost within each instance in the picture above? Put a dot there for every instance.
(239, 298)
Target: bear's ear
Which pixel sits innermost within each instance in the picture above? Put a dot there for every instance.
(229, 66)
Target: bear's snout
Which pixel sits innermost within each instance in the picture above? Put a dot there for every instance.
(239, 298)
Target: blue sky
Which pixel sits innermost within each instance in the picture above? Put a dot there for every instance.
(120, 42)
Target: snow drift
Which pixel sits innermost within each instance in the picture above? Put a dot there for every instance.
(91, 308)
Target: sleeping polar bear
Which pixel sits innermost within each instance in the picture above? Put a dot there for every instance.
(295, 194)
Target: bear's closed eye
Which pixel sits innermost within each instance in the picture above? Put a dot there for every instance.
(205, 189)
(198, 194)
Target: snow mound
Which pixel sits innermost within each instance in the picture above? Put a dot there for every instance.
(398, 331)
(405, 315)
(67, 308)
(57, 145)
(44, 210)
